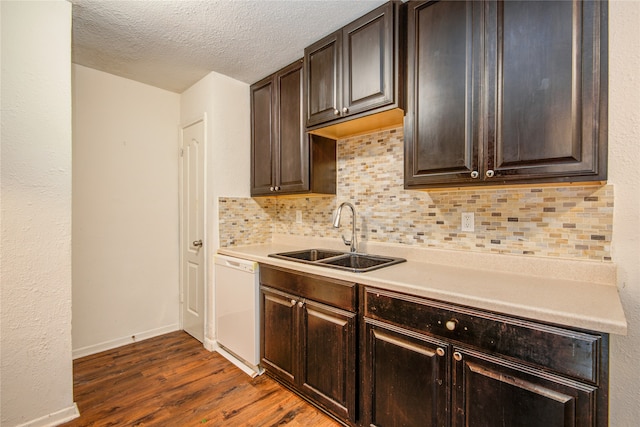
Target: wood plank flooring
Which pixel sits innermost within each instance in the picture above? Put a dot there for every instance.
(172, 380)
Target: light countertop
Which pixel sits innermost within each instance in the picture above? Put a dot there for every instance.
(580, 294)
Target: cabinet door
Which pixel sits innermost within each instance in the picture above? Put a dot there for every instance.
(279, 334)
(546, 83)
(491, 392)
(406, 378)
(444, 63)
(368, 61)
(323, 65)
(293, 145)
(262, 136)
(328, 359)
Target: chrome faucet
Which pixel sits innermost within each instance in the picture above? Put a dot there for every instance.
(336, 224)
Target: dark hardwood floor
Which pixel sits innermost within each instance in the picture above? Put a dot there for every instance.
(172, 380)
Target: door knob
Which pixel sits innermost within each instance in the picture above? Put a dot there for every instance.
(197, 243)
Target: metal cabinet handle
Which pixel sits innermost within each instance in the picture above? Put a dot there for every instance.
(451, 324)
(197, 243)
(475, 174)
(300, 304)
(457, 356)
(345, 110)
(490, 173)
(336, 112)
(440, 351)
(293, 302)
(277, 188)
(272, 188)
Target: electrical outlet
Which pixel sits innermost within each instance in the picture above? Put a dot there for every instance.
(299, 217)
(467, 221)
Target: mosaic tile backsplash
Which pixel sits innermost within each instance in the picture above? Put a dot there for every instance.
(564, 221)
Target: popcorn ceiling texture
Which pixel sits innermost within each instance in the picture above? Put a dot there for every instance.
(567, 221)
(174, 44)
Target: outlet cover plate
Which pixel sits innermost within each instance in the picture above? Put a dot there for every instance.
(467, 221)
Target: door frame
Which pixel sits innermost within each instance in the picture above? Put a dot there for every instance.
(181, 215)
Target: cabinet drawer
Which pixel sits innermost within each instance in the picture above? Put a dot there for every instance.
(329, 291)
(568, 352)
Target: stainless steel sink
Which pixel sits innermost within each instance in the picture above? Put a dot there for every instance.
(341, 260)
(309, 255)
(361, 262)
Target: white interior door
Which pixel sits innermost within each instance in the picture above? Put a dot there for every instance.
(192, 230)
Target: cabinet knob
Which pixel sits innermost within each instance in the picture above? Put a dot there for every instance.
(345, 110)
(300, 304)
(272, 189)
(490, 173)
(440, 351)
(475, 174)
(336, 112)
(277, 188)
(451, 324)
(457, 356)
(293, 302)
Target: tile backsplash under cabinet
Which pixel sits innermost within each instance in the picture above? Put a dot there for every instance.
(566, 221)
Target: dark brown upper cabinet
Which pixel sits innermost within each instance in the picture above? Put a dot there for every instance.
(356, 72)
(284, 158)
(506, 92)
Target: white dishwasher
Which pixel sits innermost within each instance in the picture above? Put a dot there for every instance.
(237, 305)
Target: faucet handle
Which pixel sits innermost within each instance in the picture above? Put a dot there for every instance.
(336, 224)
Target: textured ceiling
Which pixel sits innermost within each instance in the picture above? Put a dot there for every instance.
(173, 44)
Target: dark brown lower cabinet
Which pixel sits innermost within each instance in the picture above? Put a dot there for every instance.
(429, 363)
(426, 363)
(492, 392)
(407, 381)
(328, 357)
(279, 334)
(310, 345)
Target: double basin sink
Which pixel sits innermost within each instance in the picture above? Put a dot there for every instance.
(348, 261)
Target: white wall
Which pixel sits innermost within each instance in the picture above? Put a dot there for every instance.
(624, 162)
(125, 211)
(225, 102)
(36, 367)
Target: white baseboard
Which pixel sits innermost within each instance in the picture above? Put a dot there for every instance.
(55, 418)
(118, 342)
